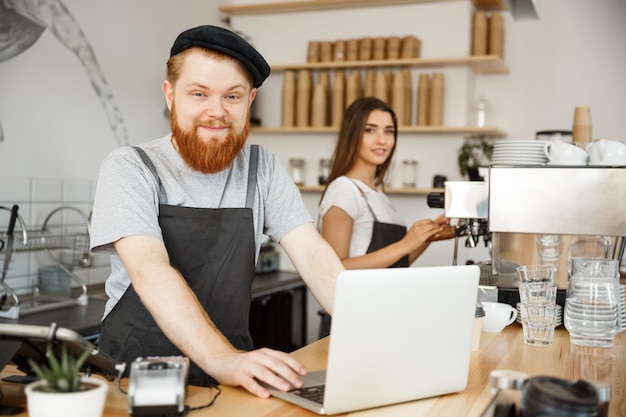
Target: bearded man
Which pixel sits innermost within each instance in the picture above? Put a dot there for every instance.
(183, 217)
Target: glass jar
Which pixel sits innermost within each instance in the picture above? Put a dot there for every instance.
(324, 171)
(591, 314)
(481, 112)
(409, 172)
(297, 170)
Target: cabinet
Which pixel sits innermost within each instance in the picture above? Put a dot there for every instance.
(278, 311)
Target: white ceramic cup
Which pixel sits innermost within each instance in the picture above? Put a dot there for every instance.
(561, 153)
(606, 152)
(497, 316)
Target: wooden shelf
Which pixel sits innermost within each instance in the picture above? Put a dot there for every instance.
(480, 64)
(470, 130)
(388, 190)
(318, 5)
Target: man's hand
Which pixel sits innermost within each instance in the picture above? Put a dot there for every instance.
(246, 369)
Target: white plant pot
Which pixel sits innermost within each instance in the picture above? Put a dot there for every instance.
(88, 403)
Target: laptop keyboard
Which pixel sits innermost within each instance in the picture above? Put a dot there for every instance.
(314, 393)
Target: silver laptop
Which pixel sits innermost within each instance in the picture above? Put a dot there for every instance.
(397, 334)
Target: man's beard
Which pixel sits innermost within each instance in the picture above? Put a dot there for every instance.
(209, 156)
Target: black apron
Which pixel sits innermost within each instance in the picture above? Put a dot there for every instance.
(384, 234)
(214, 251)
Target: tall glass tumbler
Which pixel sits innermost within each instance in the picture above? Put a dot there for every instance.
(538, 323)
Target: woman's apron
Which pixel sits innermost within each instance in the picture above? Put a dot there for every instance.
(214, 250)
(384, 234)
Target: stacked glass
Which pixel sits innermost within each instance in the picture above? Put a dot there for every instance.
(538, 306)
(592, 308)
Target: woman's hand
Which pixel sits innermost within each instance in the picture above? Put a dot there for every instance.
(420, 233)
(446, 230)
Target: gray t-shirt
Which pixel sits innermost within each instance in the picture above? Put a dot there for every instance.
(127, 201)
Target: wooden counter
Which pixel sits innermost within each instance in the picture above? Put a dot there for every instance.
(505, 350)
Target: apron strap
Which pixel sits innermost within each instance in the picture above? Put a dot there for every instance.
(152, 168)
(252, 174)
(252, 170)
(365, 198)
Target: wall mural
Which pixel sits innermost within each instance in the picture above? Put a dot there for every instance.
(23, 21)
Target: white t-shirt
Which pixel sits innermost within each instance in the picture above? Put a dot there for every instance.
(127, 201)
(345, 193)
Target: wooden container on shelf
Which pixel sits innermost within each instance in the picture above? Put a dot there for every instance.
(379, 48)
(365, 49)
(369, 86)
(381, 85)
(289, 99)
(436, 100)
(319, 105)
(408, 94)
(338, 102)
(313, 52)
(324, 78)
(352, 50)
(399, 102)
(303, 98)
(496, 35)
(423, 100)
(353, 87)
(479, 33)
(326, 51)
(339, 51)
(394, 45)
(411, 47)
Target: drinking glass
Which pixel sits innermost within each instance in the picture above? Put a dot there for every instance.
(549, 248)
(591, 310)
(535, 273)
(538, 292)
(538, 323)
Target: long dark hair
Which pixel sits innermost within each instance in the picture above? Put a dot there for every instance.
(350, 137)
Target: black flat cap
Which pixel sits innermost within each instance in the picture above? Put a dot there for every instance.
(223, 40)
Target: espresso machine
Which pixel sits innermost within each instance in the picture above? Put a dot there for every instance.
(518, 208)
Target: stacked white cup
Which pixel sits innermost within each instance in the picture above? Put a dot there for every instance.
(607, 152)
(561, 153)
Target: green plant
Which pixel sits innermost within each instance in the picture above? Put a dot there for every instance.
(60, 374)
(475, 152)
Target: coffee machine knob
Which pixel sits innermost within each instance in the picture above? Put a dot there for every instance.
(435, 200)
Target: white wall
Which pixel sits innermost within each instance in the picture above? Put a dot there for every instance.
(54, 124)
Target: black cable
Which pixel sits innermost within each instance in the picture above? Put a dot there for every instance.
(119, 379)
(188, 409)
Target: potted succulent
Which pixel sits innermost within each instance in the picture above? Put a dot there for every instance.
(475, 152)
(61, 390)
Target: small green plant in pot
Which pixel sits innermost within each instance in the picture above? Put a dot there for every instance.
(475, 152)
(60, 375)
(62, 390)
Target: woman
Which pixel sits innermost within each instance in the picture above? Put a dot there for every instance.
(356, 217)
